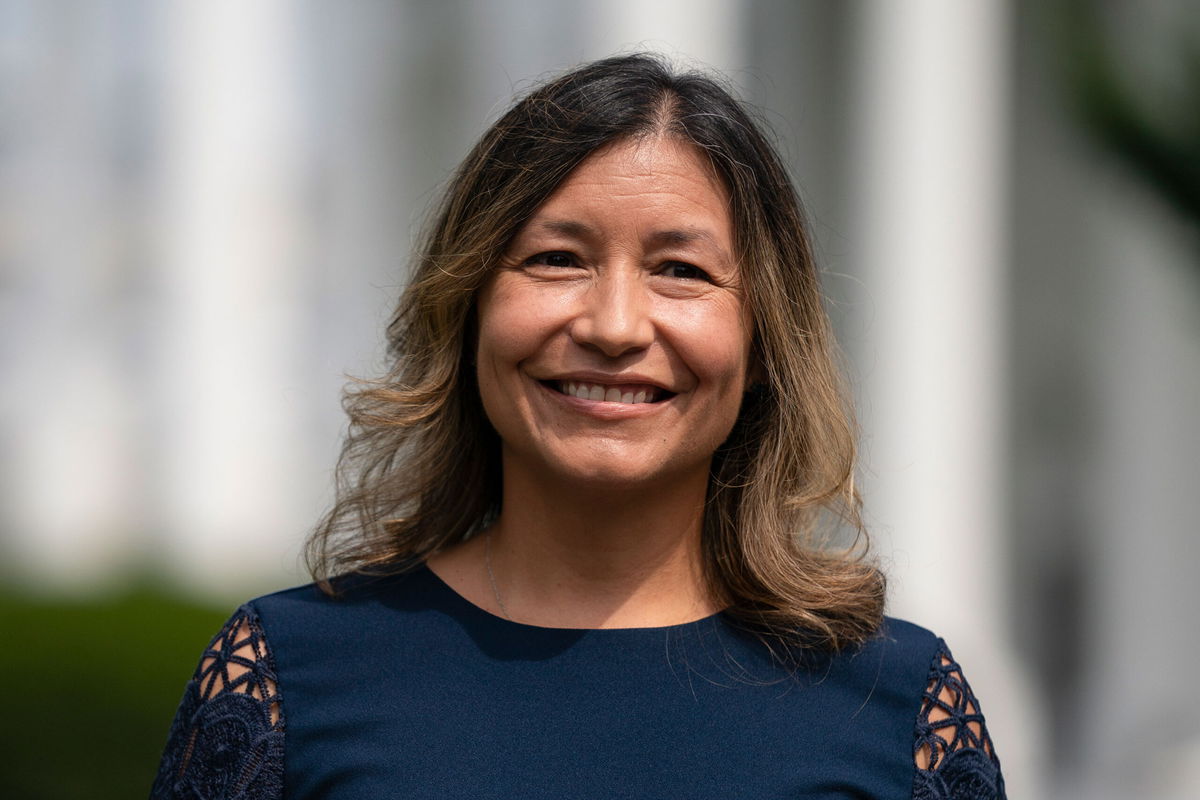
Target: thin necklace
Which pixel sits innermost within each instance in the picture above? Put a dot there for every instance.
(487, 560)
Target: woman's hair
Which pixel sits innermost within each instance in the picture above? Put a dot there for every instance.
(420, 467)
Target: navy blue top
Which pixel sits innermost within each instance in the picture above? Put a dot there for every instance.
(402, 688)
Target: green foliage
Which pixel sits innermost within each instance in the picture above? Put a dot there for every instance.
(90, 691)
(1117, 106)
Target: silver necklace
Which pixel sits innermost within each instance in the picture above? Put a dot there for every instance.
(487, 561)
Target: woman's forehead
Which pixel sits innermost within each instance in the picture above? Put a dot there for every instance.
(668, 187)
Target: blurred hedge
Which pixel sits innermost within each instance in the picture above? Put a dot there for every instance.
(90, 689)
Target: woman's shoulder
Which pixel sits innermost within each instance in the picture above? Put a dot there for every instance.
(906, 635)
(898, 653)
(343, 592)
(316, 614)
(226, 739)
(951, 743)
(906, 643)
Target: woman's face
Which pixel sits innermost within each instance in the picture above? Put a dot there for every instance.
(614, 340)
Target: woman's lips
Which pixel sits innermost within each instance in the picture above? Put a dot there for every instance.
(624, 393)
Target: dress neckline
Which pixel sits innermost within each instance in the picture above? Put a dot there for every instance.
(457, 599)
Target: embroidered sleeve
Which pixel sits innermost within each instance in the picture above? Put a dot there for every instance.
(227, 738)
(954, 756)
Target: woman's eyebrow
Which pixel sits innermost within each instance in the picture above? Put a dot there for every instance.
(566, 227)
(683, 237)
(688, 237)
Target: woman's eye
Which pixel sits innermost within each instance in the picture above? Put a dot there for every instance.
(553, 259)
(678, 269)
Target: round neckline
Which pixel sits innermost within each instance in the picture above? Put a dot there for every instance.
(479, 611)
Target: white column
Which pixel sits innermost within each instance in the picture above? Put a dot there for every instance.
(1138, 735)
(232, 260)
(929, 210)
(69, 465)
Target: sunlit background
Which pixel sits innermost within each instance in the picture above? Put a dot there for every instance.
(206, 209)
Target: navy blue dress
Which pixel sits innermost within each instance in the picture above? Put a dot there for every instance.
(401, 688)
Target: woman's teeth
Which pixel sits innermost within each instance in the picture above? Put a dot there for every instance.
(609, 394)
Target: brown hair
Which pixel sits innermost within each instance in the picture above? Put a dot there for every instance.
(420, 468)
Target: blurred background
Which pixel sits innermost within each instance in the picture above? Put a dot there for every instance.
(206, 210)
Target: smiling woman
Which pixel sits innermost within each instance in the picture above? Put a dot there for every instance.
(574, 552)
(599, 299)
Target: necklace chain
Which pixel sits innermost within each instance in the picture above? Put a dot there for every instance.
(487, 561)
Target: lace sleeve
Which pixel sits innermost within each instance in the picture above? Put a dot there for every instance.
(227, 738)
(953, 752)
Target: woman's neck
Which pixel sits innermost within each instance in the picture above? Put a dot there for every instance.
(569, 556)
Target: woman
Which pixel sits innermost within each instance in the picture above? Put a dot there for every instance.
(573, 553)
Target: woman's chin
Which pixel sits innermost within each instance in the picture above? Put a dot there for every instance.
(626, 472)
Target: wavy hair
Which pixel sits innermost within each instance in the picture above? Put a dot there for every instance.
(420, 467)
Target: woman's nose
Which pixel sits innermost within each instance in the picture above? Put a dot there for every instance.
(615, 315)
